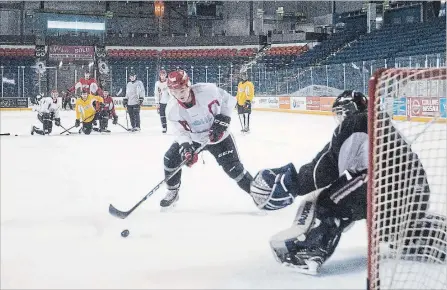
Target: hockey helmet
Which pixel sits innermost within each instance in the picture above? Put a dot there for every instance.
(87, 74)
(162, 74)
(348, 103)
(178, 85)
(54, 95)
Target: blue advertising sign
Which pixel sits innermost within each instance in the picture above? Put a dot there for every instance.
(442, 109)
(400, 107)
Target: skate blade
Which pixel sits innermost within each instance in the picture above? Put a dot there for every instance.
(168, 208)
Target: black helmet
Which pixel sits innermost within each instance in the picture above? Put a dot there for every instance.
(349, 103)
(132, 73)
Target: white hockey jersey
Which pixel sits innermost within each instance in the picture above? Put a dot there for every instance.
(135, 91)
(193, 124)
(161, 92)
(46, 105)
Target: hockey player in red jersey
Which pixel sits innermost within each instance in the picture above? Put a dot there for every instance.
(107, 112)
(85, 84)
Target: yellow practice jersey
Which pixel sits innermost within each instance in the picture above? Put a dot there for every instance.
(245, 91)
(85, 109)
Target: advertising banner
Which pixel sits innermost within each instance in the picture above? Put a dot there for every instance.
(13, 103)
(313, 103)
(326, 103)
(59, 52)
(442, 104)
(299, 103)
(284, 103)
(400, 107)
(266, 102)
(147, 102)
(422, 107)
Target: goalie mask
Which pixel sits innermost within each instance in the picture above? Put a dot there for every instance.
(349, 103)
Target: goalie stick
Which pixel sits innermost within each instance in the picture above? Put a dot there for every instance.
(124, 214)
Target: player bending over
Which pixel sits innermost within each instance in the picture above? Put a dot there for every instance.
(201, 114)
(335, 185)
(87, 108)
(48, 110)
(162, 98)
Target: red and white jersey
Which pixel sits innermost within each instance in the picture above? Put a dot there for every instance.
(161, 92)
(86, 85)
(109, 106)
(193, 124)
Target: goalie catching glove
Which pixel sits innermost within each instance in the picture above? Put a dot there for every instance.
(220, 125)
(272, 189)
(188, 153)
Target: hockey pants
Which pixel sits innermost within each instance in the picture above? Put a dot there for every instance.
(226, 156)
(47, 123)
(163, 116)
(134, 115)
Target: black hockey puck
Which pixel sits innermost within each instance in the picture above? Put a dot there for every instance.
(125, 233)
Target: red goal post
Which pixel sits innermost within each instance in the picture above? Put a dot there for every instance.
(413, 102)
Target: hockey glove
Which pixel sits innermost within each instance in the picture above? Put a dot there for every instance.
(247, 104)
(188, 153)
(125, 103)
(272, 189)
(57, 122)
(141, 101)
(115, 120)
(77, 123)
(158, 108)
(220, 125)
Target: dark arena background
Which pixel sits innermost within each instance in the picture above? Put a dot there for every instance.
(56, 230)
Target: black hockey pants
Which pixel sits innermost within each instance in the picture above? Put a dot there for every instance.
(134, 115)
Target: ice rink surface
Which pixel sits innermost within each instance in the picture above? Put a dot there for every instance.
(56, 231)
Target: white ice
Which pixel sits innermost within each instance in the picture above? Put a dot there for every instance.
(56, 231)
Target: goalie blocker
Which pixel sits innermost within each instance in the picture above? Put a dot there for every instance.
(334, 183)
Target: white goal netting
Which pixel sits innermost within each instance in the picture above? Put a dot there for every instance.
(407, 186)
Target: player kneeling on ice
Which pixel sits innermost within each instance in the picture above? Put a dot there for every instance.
(107, 112)
(200, 115)
(48, 110)
(88, 108)
(335, 185)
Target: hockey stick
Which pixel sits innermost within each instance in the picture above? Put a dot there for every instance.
(127, 129)
(240, 120)
(5, 134)
(127, 120)
(67, 130)
(124, 214)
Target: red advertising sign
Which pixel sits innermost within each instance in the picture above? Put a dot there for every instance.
(313, 103)
(71, 52)
(422, 107)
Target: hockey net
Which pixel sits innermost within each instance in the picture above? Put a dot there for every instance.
(407, 230)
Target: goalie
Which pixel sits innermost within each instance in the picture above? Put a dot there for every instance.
(335, 185)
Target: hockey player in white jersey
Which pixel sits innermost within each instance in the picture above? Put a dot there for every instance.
(162, 98)
(202, 114)
(48, 110)
(135, 93)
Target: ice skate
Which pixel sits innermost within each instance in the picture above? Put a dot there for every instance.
(170, 199)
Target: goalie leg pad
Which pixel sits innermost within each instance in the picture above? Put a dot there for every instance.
(172, 160)
(310, 241)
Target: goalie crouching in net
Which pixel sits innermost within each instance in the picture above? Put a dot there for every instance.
(334, 183)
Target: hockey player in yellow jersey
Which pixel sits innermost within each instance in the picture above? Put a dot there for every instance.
(245, 94)
(86, 109)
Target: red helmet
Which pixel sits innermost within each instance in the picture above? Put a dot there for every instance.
(178, 79)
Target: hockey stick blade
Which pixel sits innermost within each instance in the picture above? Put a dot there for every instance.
(124, 214)
(117, 213)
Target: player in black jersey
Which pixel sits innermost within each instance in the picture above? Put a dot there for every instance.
(334, 185)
